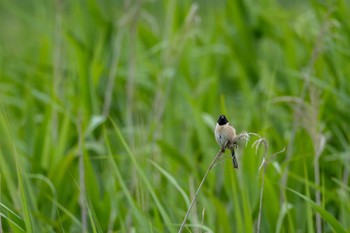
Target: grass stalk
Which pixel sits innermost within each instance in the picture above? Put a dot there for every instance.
(132, 67)
(299, 114)
(263, 166)
(0, 202)
(82, 195)
(239, 138)
(112, 73)
(218, 155)
(57, 61)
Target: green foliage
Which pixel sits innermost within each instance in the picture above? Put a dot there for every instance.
(145, 82)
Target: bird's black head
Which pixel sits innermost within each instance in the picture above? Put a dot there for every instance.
(222, 120)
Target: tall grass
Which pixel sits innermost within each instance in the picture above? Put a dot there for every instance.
(108, 110)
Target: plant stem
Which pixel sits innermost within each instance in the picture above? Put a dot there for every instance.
(264, 164)
(82, 196)
(199, 188)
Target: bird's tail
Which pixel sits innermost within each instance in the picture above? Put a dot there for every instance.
(234, 160)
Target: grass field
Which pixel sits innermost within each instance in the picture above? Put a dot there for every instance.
(108, 110)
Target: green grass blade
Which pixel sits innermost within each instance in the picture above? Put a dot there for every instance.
(329, 218)
(173, 181)
(11, 216)
(24, 199)
(135, 210)
(143, 176)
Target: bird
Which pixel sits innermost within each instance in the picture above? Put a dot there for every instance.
(224, 135)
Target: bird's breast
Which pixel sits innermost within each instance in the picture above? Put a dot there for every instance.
(224, 133)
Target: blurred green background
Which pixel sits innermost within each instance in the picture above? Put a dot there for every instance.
(108, 110)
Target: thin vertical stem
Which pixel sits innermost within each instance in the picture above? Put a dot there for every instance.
(1, 231)
(242, 137)
(264, 164)
(199, 188)
(57, 73)
(261, 198)
(112, 73)
(317, 194)
(132, 67)
(82, 196)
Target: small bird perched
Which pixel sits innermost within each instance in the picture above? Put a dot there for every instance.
(224, 135)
